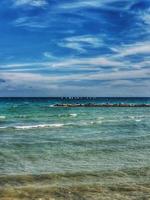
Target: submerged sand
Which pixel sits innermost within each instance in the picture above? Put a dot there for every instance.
(117, 185)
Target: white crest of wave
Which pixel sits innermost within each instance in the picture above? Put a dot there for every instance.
(3, 127)
(136, 118)
(39, 126)
(73, 114)
(2, 117)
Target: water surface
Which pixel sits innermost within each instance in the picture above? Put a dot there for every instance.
(74, 153)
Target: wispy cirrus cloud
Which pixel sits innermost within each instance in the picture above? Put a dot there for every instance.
(137, 80)
(81, 43)
(49, 55)
(106, 4)
(132, 49)
(71, 47)
(30, 22)
(36, 3)
(60, 78)
(83, 63)
(146, 17)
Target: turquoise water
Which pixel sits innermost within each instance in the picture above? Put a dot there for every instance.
(38, 139)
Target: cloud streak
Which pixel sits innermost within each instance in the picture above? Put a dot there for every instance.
(81, 43)
(75, 47)
(36, 3)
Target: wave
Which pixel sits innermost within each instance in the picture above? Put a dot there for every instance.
(56, 125)
(3, 127)
(2, 117)
(96, 122)
(39, 126)
(34, 126)
(84, 123)
(51, 106)
(135, 117)
(68, 115)
(122, 119)
(73, 115)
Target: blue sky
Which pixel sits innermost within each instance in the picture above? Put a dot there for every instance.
(74, 48)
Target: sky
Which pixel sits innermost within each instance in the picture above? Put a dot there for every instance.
(75, 48)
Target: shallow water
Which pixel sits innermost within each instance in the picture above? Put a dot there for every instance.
(74, 153)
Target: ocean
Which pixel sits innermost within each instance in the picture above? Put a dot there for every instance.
(74, 153)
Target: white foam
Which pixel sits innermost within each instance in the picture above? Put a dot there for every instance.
(99, 122)
(51, 106)
(96, 122)
(73, 114)
(2, 117)
(132, 117)
(138, 120)
(3, 127)
(39, 126)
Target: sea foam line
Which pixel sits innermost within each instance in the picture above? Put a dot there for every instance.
(39, 126)
(73, 115)
(2, 117)
(77, 124)
(34, 126)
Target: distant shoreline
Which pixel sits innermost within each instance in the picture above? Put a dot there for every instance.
(75, 98)
(101, 105)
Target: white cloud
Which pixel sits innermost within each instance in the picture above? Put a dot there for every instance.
(139, 48)
(40, 85)
(17, 65)
(100, 61)
(128, 74)
(88, 39)
(146, 17)
(81, 43)
(91, 63)
(85, 3)
(36, 3)
(30, 22)
(49, 78)
(132, 49)
(93, 3)
(73, 45)
(48, 55)
(80, 4)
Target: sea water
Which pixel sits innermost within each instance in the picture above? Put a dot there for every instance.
(74, 153)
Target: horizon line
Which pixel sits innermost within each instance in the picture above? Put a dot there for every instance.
(74, 97)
